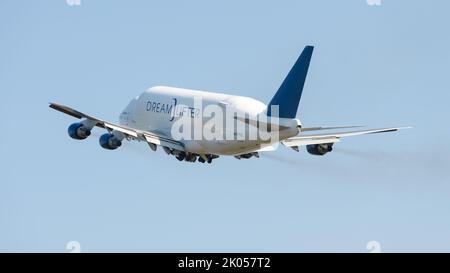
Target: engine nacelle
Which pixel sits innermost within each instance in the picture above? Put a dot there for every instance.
(109, 141)
(78, 131)
(319, 149)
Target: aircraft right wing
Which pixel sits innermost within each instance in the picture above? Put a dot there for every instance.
(333, 137)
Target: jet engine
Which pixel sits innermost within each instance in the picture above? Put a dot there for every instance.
(319, 149)
(79, 131)
(110, 141)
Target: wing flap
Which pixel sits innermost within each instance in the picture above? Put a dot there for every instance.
(163, 141)
(127, 131)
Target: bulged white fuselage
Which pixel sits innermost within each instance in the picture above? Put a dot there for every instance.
(159, 109)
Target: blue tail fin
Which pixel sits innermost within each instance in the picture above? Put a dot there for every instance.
(290, 91)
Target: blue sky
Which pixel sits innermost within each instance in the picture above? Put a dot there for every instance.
(372, 65)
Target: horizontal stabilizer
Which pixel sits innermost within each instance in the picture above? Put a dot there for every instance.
(307, 129)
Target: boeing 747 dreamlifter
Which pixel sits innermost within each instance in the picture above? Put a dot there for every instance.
(157, 115)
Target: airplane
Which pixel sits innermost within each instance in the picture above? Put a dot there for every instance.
(150, 117)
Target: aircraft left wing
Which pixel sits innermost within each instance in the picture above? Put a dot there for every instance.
(334, 137)
(150, 137)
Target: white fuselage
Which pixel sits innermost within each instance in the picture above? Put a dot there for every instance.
(159, 108)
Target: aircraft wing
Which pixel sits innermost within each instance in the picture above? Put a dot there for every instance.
(333, 137)
(150, 137)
